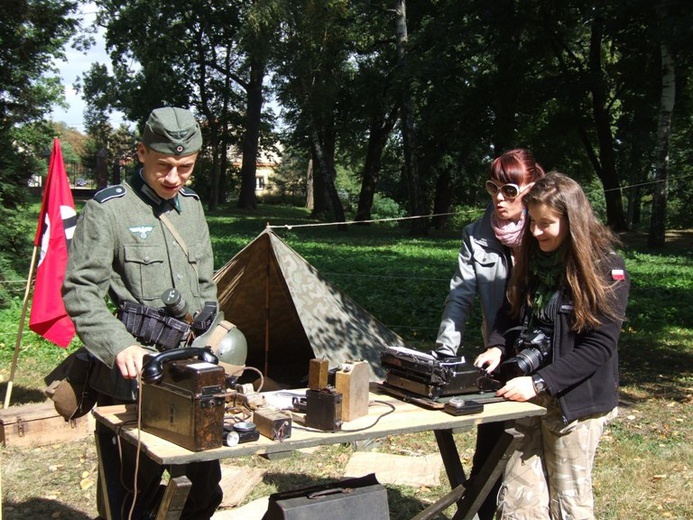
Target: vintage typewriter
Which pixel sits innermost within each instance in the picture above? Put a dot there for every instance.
(424, 379)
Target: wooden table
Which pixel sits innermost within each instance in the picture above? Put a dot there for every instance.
(406, 418)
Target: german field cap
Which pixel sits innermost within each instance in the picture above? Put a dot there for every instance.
(172, 131)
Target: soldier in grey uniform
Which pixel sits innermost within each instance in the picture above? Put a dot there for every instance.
(123, 250)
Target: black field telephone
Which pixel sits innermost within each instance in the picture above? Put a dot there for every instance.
(153, 370)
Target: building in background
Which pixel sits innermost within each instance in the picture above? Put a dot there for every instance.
(266, 166)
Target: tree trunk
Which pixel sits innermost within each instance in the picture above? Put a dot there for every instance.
(215, 174)
(443, 199)
(310, 185)
(251, 138)
(101, 168)
(115, 171)
(510, 71)
(379, 131)
(223, 188)
(324, 167)
(607, 173)
(656, 237)
(411, 173)
(633, 206)
(320, 203)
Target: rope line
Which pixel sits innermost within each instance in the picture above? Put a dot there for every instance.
(348, 222)
(628, 186)
(392, 277)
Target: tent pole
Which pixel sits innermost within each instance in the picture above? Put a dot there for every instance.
(267, 310)
(20, 332)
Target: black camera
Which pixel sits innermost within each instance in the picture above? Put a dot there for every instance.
(533, 350)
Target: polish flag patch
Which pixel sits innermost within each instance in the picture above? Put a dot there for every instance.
(618, 274)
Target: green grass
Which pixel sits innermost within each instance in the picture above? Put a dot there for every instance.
(643, 467)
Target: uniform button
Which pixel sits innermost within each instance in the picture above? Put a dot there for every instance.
(146, 258)
(179, 276)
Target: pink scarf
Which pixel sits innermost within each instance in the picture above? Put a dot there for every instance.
(508, 232)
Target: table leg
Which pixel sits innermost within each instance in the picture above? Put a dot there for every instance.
(102, 490)
(175, 495)
(451, 457)
(480, 486)
(470, 499)
(455, 472)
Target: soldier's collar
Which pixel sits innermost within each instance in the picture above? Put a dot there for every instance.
(150, 196)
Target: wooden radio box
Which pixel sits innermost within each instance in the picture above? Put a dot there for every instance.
(187, 406)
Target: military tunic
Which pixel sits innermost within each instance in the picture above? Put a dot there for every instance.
(121, 249)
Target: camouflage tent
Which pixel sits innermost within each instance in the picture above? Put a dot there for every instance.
(290, 314)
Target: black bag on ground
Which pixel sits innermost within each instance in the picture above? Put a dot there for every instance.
(361, 498)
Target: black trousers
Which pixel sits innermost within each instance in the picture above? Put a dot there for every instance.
(119, 463)
(487, 436)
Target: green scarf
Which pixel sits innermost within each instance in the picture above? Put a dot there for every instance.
(548, 272)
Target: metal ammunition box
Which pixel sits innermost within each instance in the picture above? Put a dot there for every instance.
(187, 406)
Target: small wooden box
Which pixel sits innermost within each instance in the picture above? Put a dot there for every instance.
(39, 425)
(352, 381)
(318, 373)
(273, 424)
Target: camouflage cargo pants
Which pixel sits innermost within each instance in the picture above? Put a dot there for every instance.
(550, 474)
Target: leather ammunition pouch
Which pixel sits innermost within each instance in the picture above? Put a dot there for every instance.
(152, 326)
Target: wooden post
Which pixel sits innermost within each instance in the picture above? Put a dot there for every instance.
(20, 332)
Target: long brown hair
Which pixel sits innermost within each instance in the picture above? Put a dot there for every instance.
(589, 243)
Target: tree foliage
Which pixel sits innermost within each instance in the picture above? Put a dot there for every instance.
(415, 119)
(210, 56)
(32, 34)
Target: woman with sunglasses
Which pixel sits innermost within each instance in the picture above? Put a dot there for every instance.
(568, 294)
(483, 267)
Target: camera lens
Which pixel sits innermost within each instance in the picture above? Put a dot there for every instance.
(529, 360)
(526, 362)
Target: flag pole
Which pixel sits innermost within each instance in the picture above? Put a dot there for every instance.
(20, 332)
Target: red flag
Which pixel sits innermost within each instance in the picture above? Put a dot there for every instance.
(55, 228)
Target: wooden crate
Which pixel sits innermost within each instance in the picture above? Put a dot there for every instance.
(38, 425)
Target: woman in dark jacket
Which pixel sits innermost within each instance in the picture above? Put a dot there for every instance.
(568, 293)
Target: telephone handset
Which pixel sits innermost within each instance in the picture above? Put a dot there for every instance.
(153, 369)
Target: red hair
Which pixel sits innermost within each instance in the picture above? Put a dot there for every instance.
(516, 166)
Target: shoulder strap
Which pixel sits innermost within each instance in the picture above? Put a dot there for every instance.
(169, 225)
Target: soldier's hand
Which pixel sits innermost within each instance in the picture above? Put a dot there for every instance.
(518, 389)
(489, 359)
(129, 361)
